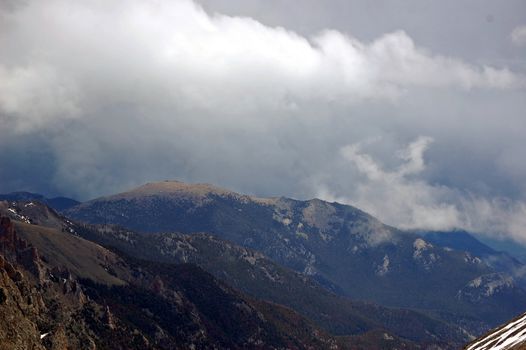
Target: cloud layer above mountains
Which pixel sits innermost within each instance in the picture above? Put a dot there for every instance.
(97, 97)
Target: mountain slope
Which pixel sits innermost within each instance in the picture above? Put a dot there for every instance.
(498, 261)
(146, 306)
(335, 244)
(57, 203)
(254, 274)
(458, 240)
(258, 276)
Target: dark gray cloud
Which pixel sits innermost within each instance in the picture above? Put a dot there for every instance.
(381, 107)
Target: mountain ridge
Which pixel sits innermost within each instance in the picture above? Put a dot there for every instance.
(57, 203)
(160, 306)
(254, 274)
(333, 243)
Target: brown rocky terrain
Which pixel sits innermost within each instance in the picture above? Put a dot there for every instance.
(70, 293)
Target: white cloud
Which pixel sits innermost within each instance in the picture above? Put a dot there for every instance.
(396, 196)
(65, 59)
(518, 35)
(32, 96)
(403, 199)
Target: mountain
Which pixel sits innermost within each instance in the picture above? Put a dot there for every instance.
(57, 203)
(341, 247)
(58, 290)
(458, 240)
(463, 241)
(254, 274)
(509, 336)
(509, 246)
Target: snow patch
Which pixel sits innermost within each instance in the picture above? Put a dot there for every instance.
(19, 216)
(507, 337)
(387, 337)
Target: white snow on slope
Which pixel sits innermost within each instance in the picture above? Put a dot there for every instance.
(512, 334)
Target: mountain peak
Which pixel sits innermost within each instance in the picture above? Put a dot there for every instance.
(174, 188)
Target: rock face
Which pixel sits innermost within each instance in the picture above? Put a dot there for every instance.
(8, 239)
(18, 303)
(17, 330)
(14, 248)
(27, 297)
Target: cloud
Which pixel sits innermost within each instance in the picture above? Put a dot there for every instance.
(64, 59)
(97, 97)
(405, 200)
(32, 96)
(518, 35)
(398, 196)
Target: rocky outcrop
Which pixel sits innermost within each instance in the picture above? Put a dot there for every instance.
(108, 318)
(19, 251)
(34, 305)
(8, 237)
(17, 307)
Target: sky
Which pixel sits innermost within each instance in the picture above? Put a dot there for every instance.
(412, 110)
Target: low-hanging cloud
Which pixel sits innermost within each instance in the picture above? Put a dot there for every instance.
(403, 199)
(97, 97)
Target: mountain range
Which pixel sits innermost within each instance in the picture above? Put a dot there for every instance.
(343, 248)
(61, 291)
(57, 203)
(333, 269)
